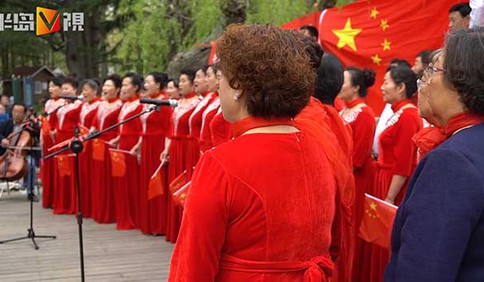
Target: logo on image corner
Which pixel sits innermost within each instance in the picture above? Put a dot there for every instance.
(48, 21)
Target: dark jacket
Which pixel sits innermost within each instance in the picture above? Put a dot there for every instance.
(6, 128)
(438, 234)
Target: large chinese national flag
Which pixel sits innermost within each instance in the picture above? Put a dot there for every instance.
(370, 33)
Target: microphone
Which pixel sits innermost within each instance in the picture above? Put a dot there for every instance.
(170, 103)
(67, 97)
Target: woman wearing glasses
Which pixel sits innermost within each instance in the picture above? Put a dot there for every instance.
(397, 156)
(438, 231)
(427, 137)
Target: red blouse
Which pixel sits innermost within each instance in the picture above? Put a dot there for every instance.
(132, 129)
(107, 115)
(158, 121)
(396, 147)
(196, 118)
(205, 132)
(51, 108)
(361, 118)
(181, 115)
(68, 117)
(252, 214)
(89, 111)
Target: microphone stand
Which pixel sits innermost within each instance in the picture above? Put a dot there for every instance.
(76, 146)
(30, 231)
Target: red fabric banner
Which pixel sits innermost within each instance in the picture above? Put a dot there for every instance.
(376, 225)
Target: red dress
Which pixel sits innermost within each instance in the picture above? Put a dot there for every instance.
(184, 154)
(205, 132)
(252, 214)
(88, 112)
(127, 188)
(65, 186)
(397, 155)
(156, 127)
(102, 192)
(196, 118)
(362, 121)
(220, 129)
(48, 166)
(324, 123)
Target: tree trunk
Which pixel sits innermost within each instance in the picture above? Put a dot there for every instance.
(85, 49)
(234, 11)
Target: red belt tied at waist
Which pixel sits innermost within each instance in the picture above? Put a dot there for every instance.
(316, 270)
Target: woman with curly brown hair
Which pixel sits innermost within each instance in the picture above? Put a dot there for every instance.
(261, 206)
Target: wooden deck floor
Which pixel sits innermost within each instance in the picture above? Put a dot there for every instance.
(109, 254)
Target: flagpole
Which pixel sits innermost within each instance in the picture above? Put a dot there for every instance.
(380, 201)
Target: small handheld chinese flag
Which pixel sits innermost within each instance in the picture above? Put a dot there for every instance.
(64, 164)
(180, 195)
(118, 163)
(179, 181)
(98, 149)
(376, 225)
(155, 186)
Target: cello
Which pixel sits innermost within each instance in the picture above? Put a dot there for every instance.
(13, 165)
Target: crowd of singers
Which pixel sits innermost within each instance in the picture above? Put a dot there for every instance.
(177, 136)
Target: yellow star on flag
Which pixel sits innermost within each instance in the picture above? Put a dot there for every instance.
(373, 206)
(374, 12)
(347, 35)
(386, 45)
(384, 24)
(376, 59)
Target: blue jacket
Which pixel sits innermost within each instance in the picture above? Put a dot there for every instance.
(438, 234)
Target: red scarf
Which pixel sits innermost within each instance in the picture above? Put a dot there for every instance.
(246, 124)
(133, 98)
(189, 95)
(355, 102)
(430, 138)
(95, 100)
(160, 95)
(110, 100)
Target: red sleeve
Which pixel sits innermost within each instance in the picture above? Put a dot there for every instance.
(405, 149)
(205, 220)
(363, 131)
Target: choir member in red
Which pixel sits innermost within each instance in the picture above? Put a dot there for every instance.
(102, 192)
(90, 90)
(220, 128)
(49, 123)
(127, 188)
(183, 149)
(329, 80)
(68, 117)
(397, 154)
(156, 128)
(208, 114)
(196, 117)
(172, 89)
(252, 214)
(362, 121)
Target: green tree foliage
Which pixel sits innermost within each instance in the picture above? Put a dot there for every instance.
(276, 11)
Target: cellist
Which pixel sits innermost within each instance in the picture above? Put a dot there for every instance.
(13, 128)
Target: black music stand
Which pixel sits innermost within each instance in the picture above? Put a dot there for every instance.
(30, 231)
